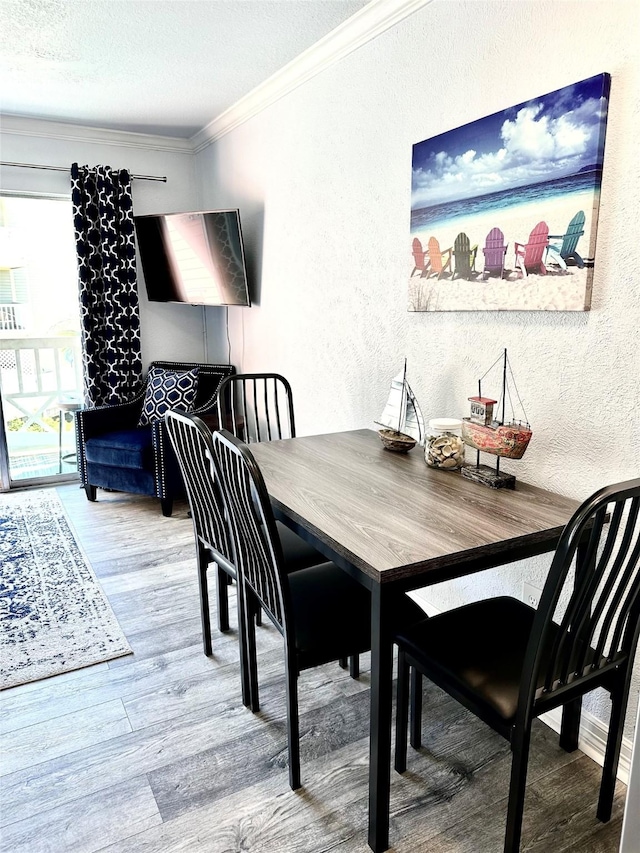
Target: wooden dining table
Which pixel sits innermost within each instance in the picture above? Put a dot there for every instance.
(394, 524)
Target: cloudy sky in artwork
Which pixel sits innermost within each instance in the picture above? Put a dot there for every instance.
(548, 137)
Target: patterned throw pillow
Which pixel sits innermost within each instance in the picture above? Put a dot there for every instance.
(168, 389)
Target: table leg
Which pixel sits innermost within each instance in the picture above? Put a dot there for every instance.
(380, 724)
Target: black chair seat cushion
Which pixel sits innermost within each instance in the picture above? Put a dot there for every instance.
(479, 648)
(332, 614)
(297, 553)
(127, 448)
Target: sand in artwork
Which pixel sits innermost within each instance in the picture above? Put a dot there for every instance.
(558, 290)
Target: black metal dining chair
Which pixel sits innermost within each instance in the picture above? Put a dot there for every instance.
(191, 441)
(322, 613)
(509, 663)
(257, 407)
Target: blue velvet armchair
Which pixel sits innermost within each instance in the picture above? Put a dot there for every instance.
(116, 453)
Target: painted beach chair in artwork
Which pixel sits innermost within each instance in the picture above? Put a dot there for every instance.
(560, 254)
(530, 255)
(495, 250)
(419, 258)
(439, 261)
(464, 255)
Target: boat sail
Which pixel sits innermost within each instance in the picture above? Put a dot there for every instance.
(402, 418)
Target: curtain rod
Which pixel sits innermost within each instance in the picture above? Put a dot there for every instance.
(63, 169)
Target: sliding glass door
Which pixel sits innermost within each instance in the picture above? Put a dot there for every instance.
(40, 367)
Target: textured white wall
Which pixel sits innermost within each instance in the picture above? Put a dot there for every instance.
(167, 331)
(322, 179)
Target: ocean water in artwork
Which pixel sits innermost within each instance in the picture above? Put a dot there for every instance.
(572, 189)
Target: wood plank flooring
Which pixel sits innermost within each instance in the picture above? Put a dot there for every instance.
(155, 753)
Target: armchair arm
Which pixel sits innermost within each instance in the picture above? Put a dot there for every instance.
(209, 407)
(163, 459)
(168, 477)
(103, 419)
(210, 379)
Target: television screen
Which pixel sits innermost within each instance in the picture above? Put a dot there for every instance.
(196, 258)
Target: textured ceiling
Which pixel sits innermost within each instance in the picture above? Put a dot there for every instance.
(164, 67)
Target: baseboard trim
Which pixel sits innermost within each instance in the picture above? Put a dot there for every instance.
(592, 739)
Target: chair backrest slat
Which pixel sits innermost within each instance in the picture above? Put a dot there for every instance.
(256, 411)
(631, 604)
(611, 596)
(597, 570)
(606, 589)
(601, 621)
(561, 650)
(277, 412)
(257, 407)
(232, 402)
(256, 546)
(191, 441)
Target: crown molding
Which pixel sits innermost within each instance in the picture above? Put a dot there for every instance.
(27, 126)
(368, 23)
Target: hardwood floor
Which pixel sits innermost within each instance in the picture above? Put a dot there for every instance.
(155, 753)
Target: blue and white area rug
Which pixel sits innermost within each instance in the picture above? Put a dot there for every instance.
(54, 616)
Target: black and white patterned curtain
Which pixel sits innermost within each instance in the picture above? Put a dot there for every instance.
(105, 247)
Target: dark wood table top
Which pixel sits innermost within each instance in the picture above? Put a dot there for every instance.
(394, 518)
(396, 524)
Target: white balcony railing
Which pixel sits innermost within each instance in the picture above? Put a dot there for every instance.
(36, 375)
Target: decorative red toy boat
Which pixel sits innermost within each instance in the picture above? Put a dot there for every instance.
(507, 440)
(486, 434)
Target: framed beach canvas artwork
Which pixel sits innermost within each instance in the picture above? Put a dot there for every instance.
(504, 210)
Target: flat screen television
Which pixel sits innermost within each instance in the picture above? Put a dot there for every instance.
(196, 258)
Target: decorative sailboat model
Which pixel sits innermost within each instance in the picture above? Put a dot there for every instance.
(497, 437)
(402, 418)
